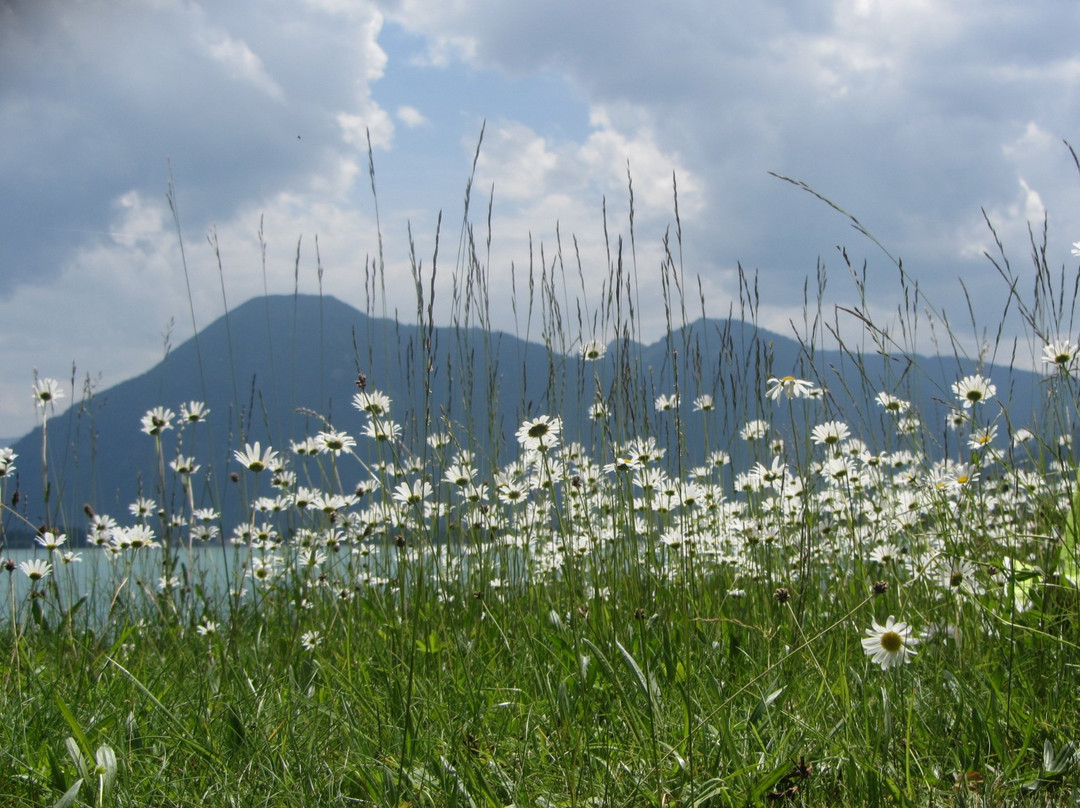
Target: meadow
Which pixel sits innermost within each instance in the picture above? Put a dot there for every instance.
(822, 604)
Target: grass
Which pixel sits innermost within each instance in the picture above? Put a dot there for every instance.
(628, 622)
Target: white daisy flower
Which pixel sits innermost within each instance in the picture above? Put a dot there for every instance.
(334, 442)
(830, 433)
(50, 540)
(892, 404)
(889, 645)
(47, 391)
(789, 387)
(664, 403)
(373, 403)
(182, 464)
(194, 412)
(754, 430)
(704, 403)
(593, 350)
(253, 458)
(157, 420)
(540, 434)
(35, 569)
(1063, 354)
(973, 389)
(382, 429)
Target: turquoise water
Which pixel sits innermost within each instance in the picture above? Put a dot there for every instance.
(203, 578)
(100, 578)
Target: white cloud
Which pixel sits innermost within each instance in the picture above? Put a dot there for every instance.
(637, 156)
(1012, 223)
(515, 160)
(1034, 209)
(355, 129)
(241, 63)
(411, 116)
(1035, 141)
(527, 168)
(561, 209)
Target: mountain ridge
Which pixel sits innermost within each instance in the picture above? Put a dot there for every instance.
(274, 367)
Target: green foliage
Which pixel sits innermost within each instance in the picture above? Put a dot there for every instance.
(819, 611)
(1069, 557)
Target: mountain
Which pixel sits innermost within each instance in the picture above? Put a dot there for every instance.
(274, 367)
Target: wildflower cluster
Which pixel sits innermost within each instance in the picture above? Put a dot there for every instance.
(7, 462)
(901, 518)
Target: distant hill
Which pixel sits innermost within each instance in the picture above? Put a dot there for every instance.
(268, 367)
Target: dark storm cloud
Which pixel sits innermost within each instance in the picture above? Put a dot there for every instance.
(98, 97)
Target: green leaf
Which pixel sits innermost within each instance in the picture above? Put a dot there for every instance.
(763, 705)
(432, 645)
(1023, 579)
(69, 796)
(1069, 556)
(77, 757)
(647, 684)
(769, 781)
(896, 791)
(76, 730)
(105, 758)
(680, 672)
(73, 609)
(1048, 756)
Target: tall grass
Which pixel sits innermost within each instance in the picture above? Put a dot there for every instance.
(610, 618)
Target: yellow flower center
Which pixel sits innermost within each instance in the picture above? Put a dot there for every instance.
(892, 642)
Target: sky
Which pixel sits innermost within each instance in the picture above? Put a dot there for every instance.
(146, 144)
